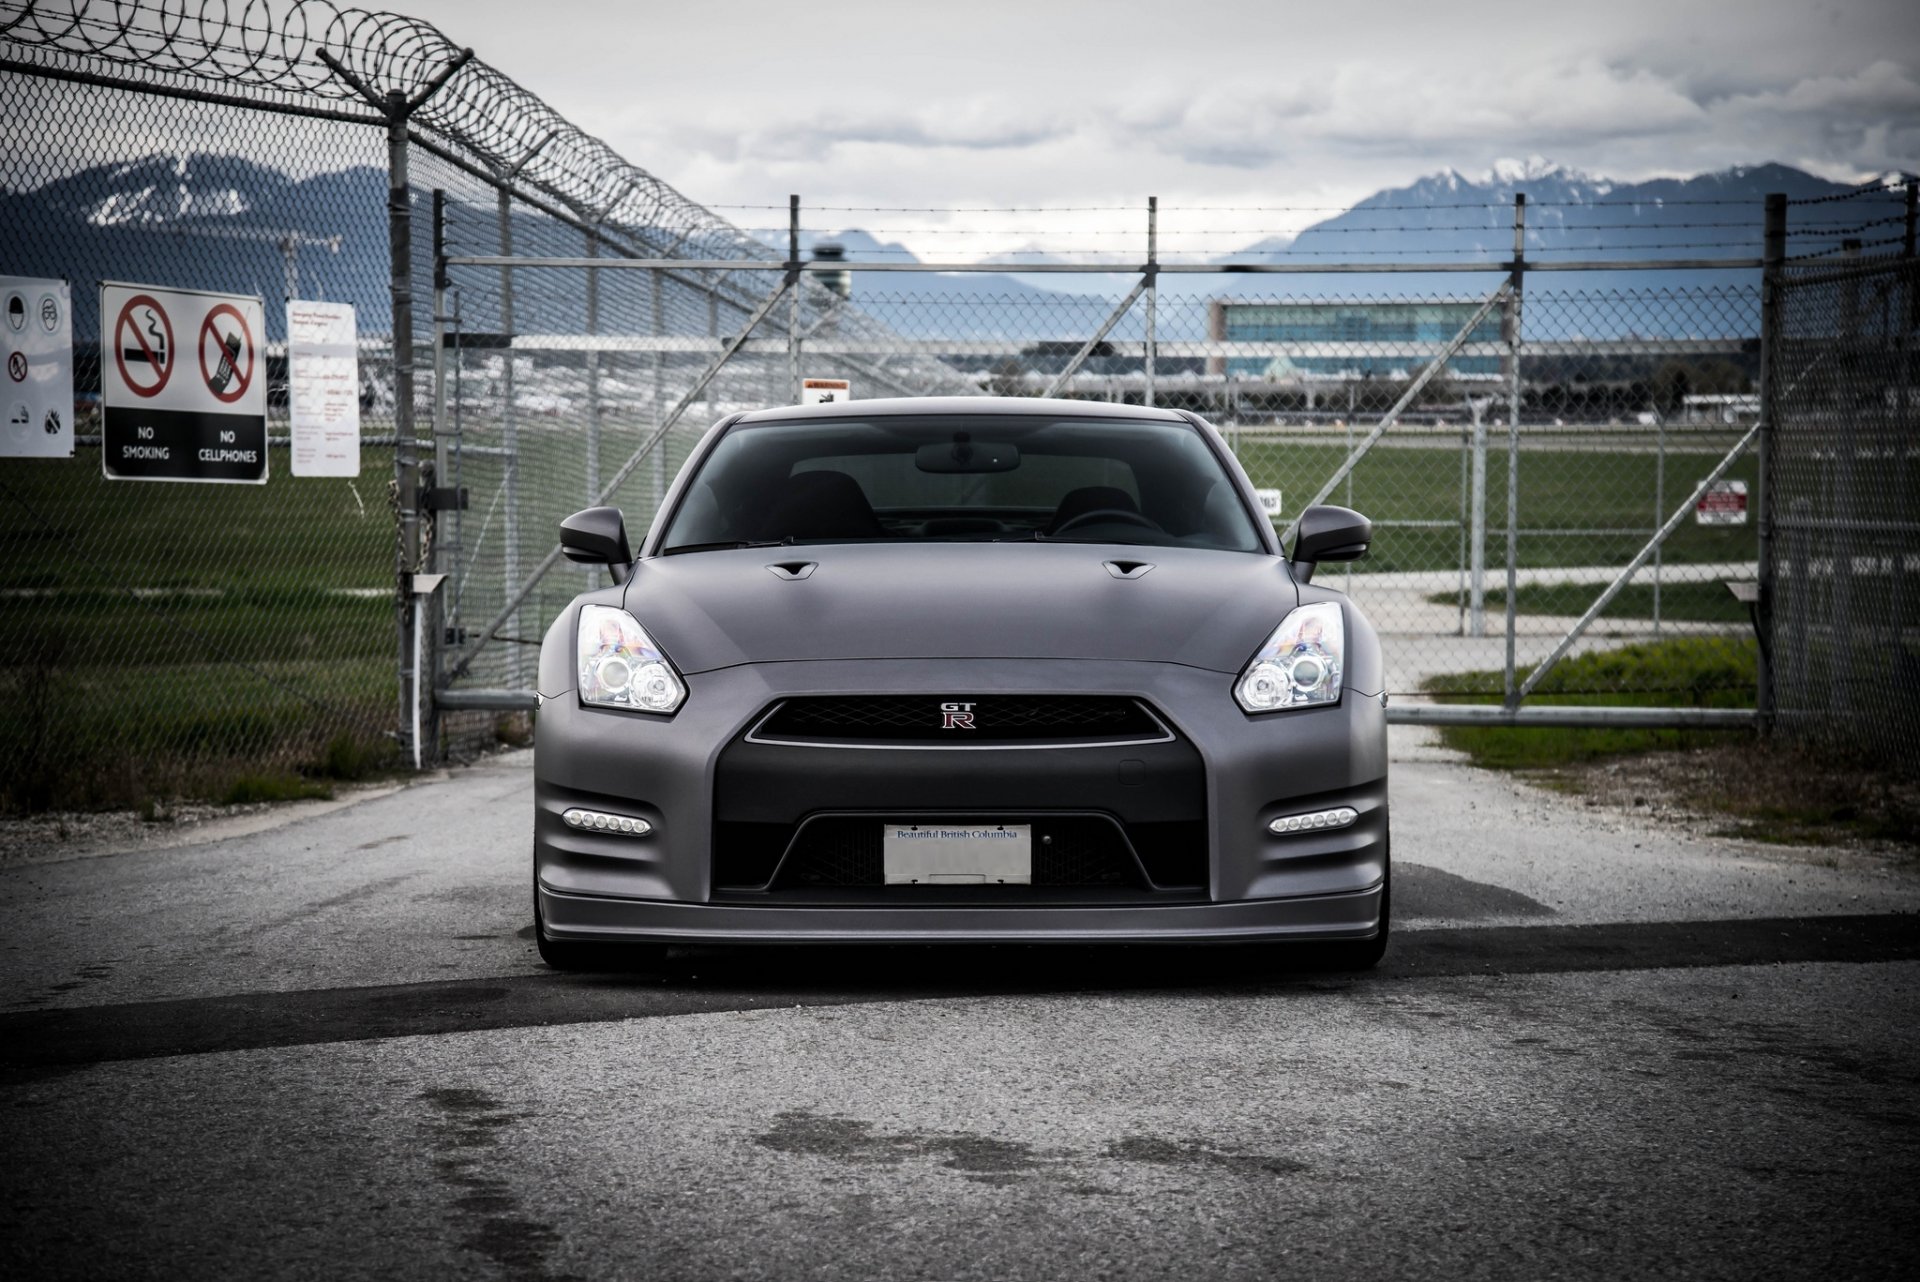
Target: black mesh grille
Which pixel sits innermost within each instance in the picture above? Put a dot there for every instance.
(1068, 851)
(921, 718)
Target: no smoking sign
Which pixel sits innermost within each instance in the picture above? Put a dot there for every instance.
(169, 415)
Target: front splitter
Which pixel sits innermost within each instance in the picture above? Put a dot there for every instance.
(582, 918)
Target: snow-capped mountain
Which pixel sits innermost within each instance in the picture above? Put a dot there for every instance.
(205, 221)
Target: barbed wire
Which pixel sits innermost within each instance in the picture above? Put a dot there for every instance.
(1135, 232)
(1122, 258)
(1847, 248)
(1878, 187)
(1498, 206)
(274, 45)
(952, 209)
(1825, 229)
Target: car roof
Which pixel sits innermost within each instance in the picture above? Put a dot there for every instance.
(948, 405)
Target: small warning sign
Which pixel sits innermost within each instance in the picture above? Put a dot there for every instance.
(1723, 503)
(323, 375)
(36, 398)
(823, 391)
(173, 416)
(1270, 501)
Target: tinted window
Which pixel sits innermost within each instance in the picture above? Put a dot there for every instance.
(963, 478)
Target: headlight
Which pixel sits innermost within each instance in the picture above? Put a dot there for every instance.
(1300, 666)
(619, 666)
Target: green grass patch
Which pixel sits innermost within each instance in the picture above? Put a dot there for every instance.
(1688, 602)
(1561, 489)
(350, 756)
(1697, 672)
(248, 789)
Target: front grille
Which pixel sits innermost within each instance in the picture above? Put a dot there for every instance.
(959, 720)
(1068, 851)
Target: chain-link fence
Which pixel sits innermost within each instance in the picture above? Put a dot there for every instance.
(1558, 455)
(158, 639)
(1845, 495)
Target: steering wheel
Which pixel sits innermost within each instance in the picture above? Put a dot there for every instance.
(1109, 514)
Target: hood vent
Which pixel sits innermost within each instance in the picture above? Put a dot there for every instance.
(1128, 569)
(792, 570)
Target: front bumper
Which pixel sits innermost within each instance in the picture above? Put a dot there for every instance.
(1321, 917)
(1324, 885)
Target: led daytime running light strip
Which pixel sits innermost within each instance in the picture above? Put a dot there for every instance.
(1314, 821)
(596, 821)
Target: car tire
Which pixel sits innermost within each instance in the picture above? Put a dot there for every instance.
(1365, 954)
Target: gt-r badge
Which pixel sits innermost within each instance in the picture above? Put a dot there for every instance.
(956, 716)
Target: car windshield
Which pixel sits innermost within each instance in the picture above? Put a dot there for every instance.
(962, 478)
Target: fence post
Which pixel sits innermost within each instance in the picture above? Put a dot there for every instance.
(509, 428)
(441, 553)
(656, 283)
(1152, 274)
(1659, 509)
(1772, 285)
(793, 300)
(1477, 539)
(591, 576)
(406, 464)
(1460, 528)
(1510, 325)
(1903, 381)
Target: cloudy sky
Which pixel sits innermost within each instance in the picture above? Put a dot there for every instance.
(1208, 102)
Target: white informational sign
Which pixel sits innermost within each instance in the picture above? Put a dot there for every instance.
(1724, 503)
(183, 386)
(1269, 503)
(323, 382)
(822, 391)
(36, 333)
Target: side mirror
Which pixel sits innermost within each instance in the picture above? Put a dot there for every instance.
(597, 536)
(1329, 533)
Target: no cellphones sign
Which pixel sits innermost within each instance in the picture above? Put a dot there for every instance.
(183, 386)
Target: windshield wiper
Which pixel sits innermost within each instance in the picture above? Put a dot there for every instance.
(725, 544)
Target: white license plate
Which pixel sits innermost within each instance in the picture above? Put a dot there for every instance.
(957, 854)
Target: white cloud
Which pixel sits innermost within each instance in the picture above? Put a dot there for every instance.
(1215, 103)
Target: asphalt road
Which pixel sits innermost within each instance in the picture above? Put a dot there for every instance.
(325, 1048)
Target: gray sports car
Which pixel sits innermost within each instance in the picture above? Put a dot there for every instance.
(961, 670)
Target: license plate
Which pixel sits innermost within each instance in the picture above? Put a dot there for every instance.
(957, 854)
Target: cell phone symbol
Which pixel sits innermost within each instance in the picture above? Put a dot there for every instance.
(230, 351)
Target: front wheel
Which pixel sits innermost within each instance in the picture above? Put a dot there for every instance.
(1365, 954)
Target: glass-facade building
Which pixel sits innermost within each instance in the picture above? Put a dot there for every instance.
(1350, 338)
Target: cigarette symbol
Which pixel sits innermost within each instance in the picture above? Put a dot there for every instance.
(159, 345)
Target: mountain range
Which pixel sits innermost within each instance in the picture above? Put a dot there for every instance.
(224, 223)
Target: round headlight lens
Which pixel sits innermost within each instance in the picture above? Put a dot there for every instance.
(615, 674)
(1264, 686)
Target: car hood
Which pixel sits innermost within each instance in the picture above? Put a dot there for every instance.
(717, 609)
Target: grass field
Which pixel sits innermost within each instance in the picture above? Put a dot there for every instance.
(1694, 672)
(166, 639)
(1685, 602)
(1560, 489)
(1771, 790)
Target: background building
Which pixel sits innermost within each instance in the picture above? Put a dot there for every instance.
(1360, 336)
